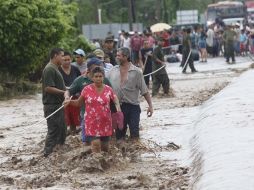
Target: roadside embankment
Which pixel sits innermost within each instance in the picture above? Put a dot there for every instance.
(223, 141)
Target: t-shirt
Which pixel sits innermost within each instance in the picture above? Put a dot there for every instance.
(186, 40)
(111, 54)
(126, 42)
(69, 78)
(146, 57)
(158, 54)
(210, 37)
(51, 77)
(82, 68)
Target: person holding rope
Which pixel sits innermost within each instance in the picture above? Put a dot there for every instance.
(96, 97)
(146, 53)
(53, 90)
(160, 77)
(70, 73)
(187, 54)
(77, 87)
(128, 82)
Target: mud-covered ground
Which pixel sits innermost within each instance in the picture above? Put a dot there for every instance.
(128, 165)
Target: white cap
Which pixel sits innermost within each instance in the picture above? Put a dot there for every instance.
(79, 52)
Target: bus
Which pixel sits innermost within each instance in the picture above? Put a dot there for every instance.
(250, 11)
(233, 10)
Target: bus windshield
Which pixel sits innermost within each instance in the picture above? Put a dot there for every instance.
(226, 9)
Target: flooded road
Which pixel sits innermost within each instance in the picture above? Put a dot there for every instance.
(161, 160)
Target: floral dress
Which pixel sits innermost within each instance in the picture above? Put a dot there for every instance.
(98, 120)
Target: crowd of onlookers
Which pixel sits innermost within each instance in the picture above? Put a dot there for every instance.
(206, 40)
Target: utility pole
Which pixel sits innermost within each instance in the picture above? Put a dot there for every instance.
(158, 11)
(130, 14)
(96, 11)
(165, 12)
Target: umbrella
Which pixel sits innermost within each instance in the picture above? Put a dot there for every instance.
(159, 27)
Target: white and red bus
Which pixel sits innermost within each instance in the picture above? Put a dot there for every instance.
(250, 11)
(226, 10)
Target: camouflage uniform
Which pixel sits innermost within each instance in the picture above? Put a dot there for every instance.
(228, 37)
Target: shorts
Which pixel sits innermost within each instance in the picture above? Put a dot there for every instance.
(202, 44)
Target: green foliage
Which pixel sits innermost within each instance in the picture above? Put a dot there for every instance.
(146, 11)
(83, 43)
(29, 29)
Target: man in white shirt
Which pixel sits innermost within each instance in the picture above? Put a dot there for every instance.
(209, 39)
(80, 60)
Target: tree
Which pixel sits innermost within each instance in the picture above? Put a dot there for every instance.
(29, 29)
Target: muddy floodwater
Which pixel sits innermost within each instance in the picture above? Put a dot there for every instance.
(159, 161)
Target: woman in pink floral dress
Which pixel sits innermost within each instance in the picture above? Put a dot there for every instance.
(98, 122)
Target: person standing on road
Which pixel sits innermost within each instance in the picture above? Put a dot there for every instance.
(128, 82)
(136, 44)
(160, 77)
(202, 45)
(109, 49)
(146, 53)
(229, 38)
(53, 89)
(187, 54)
(210, 39)
(70, 73)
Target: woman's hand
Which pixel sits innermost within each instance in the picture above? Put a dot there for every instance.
(66, 102)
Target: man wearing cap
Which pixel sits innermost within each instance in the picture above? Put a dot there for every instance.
(109, 49)
(80, 60)
(101, 55)
(160, 77)
(78, 85)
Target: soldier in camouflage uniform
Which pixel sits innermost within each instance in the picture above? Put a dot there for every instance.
(229, 38)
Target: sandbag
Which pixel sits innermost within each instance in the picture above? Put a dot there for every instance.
(195, 54)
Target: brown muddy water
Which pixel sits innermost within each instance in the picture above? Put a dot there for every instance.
(128, 165)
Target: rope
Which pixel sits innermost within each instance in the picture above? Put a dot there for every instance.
(155, 71)
(187, 60)
(44, 119)
(171, 46)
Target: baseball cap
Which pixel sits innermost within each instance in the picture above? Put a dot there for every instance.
(109, 39)
(93, 61)
(99, 53)
(79, 52)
